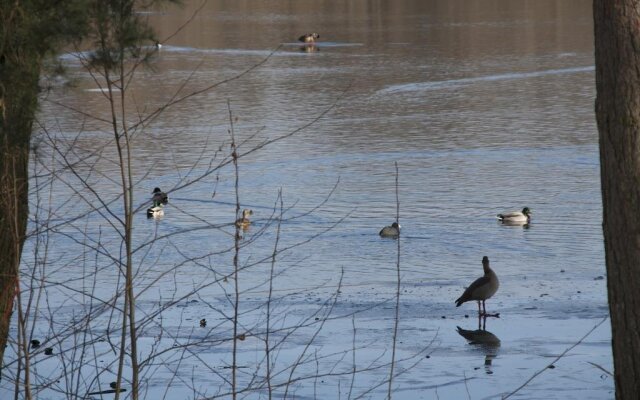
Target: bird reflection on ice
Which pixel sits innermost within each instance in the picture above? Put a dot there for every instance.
(482, 340)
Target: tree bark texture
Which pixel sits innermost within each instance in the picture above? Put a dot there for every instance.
(19, 73)
(14, 202)
(29, 30)
(617, 53)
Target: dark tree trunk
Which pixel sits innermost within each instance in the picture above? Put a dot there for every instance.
(29, 30)
(17, 107)
(19, 73)
(617, 51)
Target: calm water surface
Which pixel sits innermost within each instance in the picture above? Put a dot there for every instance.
(485, 106)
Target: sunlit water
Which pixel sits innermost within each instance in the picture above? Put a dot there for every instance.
(484, 106)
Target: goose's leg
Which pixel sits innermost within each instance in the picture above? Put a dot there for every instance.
(479, 311)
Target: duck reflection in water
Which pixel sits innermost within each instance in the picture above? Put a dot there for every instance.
(483, 341)
(309, 48)
(523, 225)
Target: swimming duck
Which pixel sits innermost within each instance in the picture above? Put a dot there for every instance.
(309, 37)
(159, 197)
(392, 231)
(482, 288)
(244, 222)
(516, 216)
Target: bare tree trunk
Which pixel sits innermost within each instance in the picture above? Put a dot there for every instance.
(17, 106)
(617, 49)
(13, 221)
(29, 30)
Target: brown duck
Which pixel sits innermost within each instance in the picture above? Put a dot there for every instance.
(309, 37)
(244, 222)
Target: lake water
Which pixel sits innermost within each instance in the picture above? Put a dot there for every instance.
(485, 106)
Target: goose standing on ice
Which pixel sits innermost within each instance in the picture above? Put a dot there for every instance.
(482, 288)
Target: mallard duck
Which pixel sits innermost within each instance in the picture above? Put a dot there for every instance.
(516, 216)
(159, 197)
(482, 288)
(244, 222)
(155, 211)
(392, 231)
(309, 37)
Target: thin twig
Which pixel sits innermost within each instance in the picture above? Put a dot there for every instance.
(397, 313)
(556, 359)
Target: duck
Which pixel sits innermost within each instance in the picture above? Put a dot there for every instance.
(482, 288)
(309, 37)
(391, 231)
(159, 197)
(523, 216)
(244, 222)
